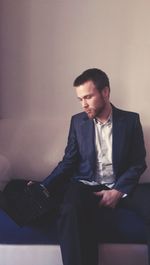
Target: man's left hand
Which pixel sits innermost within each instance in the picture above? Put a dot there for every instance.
(109, 198)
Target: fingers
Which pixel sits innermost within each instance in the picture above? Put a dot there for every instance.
(30, 183)
(108, 198)
(99, 193)
(104, 199)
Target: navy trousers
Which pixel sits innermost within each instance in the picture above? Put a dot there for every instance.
(78, 221)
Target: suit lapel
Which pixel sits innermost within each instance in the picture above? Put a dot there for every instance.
(118, 136)
(88, 141)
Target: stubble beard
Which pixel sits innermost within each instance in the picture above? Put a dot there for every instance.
(93, 113)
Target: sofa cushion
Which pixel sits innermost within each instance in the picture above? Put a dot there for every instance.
(120, 226)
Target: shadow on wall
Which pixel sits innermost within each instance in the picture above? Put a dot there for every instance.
(1, 57)
(146, 175)
(14, 54)
(5, 171)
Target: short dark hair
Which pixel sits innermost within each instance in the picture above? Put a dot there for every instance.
(97, 76)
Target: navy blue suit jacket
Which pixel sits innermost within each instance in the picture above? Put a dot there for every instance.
(79, 161)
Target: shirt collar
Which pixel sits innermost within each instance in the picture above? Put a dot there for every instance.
(107, 122)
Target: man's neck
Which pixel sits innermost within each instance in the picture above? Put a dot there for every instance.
(103, 117)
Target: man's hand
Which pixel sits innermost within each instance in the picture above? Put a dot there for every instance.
(30, 182)
(109, 198)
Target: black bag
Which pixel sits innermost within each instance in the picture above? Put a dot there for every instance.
(24, 203)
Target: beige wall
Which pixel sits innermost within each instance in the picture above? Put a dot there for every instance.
(45, 44)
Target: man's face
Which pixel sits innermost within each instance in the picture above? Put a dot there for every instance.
(93, 102)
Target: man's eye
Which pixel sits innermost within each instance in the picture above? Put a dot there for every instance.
(88, 97)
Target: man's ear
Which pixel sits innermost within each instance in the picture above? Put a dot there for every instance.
(106, 92)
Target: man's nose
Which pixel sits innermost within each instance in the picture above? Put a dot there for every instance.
(84, 103)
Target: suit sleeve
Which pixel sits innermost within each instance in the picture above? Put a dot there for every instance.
(66, 167)
(127, 181)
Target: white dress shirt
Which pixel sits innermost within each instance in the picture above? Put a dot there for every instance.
(103, 146)
(104, 173)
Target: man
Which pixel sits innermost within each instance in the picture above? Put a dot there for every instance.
(103, 161)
